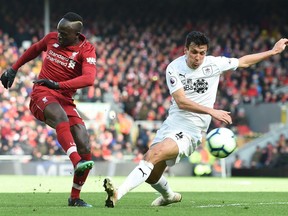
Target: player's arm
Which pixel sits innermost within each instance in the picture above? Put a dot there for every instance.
(191, 106)
(86, 79)
(7, 78)
(248, 60)
(88, 72)
(31, 53)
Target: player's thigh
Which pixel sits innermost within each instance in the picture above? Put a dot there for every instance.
(46, 107)
(164, 150)
(54, 114)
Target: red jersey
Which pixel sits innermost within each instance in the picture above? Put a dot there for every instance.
(73, 67)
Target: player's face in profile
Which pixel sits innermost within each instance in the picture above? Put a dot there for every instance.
(67, 36)
(195, 55)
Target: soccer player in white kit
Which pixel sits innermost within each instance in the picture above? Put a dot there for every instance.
(192, 80)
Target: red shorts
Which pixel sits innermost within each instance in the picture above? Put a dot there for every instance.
(41, 98)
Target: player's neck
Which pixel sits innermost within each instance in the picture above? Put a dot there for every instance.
(76, 42)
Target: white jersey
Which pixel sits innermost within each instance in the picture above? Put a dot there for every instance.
(200, 85)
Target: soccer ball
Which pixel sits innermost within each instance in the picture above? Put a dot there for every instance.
(221, 142)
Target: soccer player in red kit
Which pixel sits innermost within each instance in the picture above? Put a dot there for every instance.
(70, 64)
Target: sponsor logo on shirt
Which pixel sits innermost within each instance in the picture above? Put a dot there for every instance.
(71, 64)
(55, 45)
(200, 86)
(57, 58)
(188, 84)
(60, 59)
(181, 75)
(91, 60)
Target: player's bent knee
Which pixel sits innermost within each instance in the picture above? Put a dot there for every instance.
(154, 157)
(83, 149)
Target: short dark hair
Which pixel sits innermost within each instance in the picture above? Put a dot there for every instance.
(197, 38)
(72, 17)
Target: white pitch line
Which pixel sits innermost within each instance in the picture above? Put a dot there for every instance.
(240, 204)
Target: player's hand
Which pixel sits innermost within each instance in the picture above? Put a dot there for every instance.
(48, 83)
(280, 45)
(222, 116)
(7, 78)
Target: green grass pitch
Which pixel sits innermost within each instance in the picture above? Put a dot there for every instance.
(42, 195)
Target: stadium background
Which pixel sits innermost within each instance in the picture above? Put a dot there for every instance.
(135, 40)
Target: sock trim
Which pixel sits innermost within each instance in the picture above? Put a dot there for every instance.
(146, 163)
(71, 150)
(76, 186)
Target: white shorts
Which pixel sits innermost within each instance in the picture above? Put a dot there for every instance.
(186, 142)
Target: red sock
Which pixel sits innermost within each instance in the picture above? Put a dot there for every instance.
(66, 140)
(78, 181)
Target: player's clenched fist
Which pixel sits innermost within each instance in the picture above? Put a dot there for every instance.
(7, 78)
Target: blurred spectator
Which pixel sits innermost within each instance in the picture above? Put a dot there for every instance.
(238, 162)
(131, 60)
(241, 123)
(255, 161)
(142, 140)
(36, 155)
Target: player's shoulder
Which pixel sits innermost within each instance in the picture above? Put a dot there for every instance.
(210, 58)
(50, 38)
(88, 47)
(52, 35)
(178, 62)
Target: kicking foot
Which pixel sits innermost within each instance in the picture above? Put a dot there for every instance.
(161, 201)
(78, 203)
(111, 193)
(82, 166)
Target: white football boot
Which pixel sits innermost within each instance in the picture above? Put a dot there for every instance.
(161, 201)
(111, 193)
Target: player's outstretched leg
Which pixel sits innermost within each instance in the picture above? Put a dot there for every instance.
(161, 201)
(111, 193)
(82, 166)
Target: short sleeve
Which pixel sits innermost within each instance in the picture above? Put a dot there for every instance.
(172, 79)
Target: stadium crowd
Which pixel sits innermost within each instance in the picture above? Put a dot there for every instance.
(132, 53)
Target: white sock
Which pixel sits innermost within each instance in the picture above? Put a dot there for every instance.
(163, 187)
(139, 175)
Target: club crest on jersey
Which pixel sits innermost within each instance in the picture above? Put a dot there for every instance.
(73, 55)
(44, 100)
(207, 70)
(173, 81)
